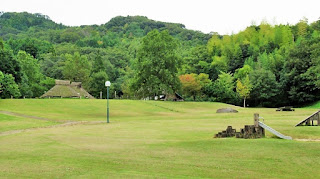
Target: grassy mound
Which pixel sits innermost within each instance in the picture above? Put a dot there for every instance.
(315, 105)
(154, 139)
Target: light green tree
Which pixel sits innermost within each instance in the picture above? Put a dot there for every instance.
(244, 88)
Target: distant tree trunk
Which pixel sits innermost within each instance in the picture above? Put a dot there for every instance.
(244, 102)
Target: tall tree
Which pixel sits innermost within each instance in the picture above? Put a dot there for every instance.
(265, 88)
(157, 64)
(8, 63)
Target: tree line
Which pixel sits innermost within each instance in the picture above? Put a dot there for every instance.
(263, 65)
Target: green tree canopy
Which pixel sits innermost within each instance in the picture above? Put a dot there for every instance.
(77, 68)
(157, 64)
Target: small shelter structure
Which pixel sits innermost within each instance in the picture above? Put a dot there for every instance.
(310, 121)
(65, 89)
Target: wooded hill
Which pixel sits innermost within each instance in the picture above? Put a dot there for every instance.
(265, 65)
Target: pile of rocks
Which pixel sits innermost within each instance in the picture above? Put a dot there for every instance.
(248, 132)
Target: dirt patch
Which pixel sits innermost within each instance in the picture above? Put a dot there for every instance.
(26, 116)
(65, 124)
(53, 126)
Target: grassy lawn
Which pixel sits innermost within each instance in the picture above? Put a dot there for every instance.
(8, 123)
(152, 139)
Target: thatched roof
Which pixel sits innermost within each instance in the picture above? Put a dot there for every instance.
(64, 89)
(62, 82)
(78, 84)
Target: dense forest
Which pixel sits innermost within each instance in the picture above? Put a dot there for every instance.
(263, 65)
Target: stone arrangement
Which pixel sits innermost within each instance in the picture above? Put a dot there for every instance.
(248, 132)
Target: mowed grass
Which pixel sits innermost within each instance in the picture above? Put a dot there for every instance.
(154, 139)
(9, 123)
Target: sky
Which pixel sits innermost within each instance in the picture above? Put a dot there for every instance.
(222, 16)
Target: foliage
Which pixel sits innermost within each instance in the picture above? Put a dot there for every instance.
(287, 56)
(77, 68)
(96, 84)
(190, 85)
(244, 88)
(8, 63)
(9, 86)
(157, 65)
(265, 88)
(223, 88)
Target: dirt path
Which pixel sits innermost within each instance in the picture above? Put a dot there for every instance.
(63, 123)
(53, 126)
(26, 116)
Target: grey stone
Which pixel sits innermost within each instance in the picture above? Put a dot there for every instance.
(226, 110)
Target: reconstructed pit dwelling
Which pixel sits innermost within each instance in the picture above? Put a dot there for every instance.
(65, 89)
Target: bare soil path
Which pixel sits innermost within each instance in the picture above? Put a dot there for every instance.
(62, 124)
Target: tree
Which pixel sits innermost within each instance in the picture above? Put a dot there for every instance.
(265, 88)
(52, 65)
(242, 73)
(157, 65)
(1, 79)
(302, 27)
(296, 79)
(9, 86)
(31, 78)
(223, 88)
(96, 83)
(190, 85)
(8, 63)
(244, 88)
(77, 68)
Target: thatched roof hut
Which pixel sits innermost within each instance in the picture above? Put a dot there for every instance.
(63, 89)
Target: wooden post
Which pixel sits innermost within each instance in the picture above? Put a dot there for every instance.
(256, 119)
(318, 119)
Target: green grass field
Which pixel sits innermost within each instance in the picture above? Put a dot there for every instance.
(150, 139)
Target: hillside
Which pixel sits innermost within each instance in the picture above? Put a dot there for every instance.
(277, 64)
(12, 23)
(15, 25)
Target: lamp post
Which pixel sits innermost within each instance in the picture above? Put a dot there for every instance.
(108, 84)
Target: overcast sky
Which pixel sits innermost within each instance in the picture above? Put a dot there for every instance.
(223, 16)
